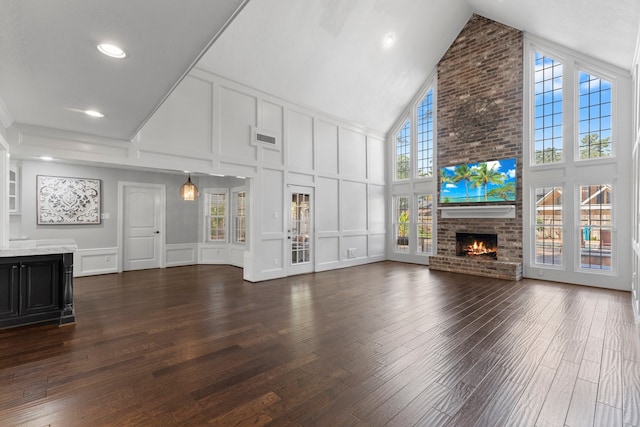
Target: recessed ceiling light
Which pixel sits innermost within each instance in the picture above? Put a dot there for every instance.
(112, 50)
(388, 40)
(46, 158)
(94, 113)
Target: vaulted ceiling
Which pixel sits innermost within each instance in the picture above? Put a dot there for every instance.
(327, 55)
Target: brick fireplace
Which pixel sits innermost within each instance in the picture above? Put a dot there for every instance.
(483, 67)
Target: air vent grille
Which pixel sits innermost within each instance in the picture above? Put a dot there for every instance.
(267, 139)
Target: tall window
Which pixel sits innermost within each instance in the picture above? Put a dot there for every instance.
(415, 182)
(239, 216)
(401, 223)
(216, 215)
(573, 136)
(425, 136)
(595, 227)
(548, 234)
(595, 117)
(424, 204)
(403, 152)
(548, 109)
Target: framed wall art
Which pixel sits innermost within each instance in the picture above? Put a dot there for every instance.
(63, 200)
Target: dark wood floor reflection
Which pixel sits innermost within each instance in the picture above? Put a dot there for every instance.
(382, 344)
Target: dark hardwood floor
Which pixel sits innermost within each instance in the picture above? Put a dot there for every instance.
(382, 344)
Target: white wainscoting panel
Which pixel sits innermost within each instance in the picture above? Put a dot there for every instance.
(327, 142)
(89, 262)
(213, 254)
(181, 254)
(237, 115)
(300, 137)
(376, 160)
(354, 247)
(354, 206)
(271, 216)
(328, 251)
(236, 255)
(377, 245)
(377, 205)
(327, 205)
(353, 154)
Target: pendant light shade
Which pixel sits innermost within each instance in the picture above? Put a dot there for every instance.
(189, 191)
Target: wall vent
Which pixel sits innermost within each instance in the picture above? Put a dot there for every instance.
(265, 138)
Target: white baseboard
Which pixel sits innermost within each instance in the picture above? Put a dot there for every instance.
(90, 262)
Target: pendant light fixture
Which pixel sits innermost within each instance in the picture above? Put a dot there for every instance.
(189, 191)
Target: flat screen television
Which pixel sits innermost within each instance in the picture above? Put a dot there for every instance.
(490, 181)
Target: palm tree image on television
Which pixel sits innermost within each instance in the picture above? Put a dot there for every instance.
(490, 181)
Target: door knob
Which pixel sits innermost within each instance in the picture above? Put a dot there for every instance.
(157, 232)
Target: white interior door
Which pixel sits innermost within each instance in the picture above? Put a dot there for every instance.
(300, 231)
(143, 226)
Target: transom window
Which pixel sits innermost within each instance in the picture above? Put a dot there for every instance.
(403, 152)
(595, 117)
(425, 136)
(548, 109)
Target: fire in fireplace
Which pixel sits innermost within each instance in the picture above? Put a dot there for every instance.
(477, 245)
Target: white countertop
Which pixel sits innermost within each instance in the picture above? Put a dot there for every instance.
(38, 247)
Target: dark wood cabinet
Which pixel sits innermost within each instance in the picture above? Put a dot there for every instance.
(9, 290)
(36, 289)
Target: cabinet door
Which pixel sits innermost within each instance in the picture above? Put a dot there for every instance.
(14, 187)
(9, 290)
(41, 286)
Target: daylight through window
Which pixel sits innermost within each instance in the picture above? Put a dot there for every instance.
(548, 110)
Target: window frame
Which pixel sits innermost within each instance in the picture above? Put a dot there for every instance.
(415, 163)
(417, 223)
(235, 192)
(209, 192)
(612, 226)
(396, 223)
(565, 104)
(407, 120)
(535, 225)
(573, 172)
(580, 66)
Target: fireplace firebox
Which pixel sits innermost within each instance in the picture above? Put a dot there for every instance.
(477, 245)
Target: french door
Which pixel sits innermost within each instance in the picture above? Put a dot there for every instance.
(300, 236)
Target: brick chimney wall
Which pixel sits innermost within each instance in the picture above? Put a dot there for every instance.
(483, 65)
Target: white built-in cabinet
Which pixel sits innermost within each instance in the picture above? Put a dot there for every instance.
(14, 188)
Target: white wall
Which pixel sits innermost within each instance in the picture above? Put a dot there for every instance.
(635, 241)
(181, 215)
(206, 125)
(98, 250)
